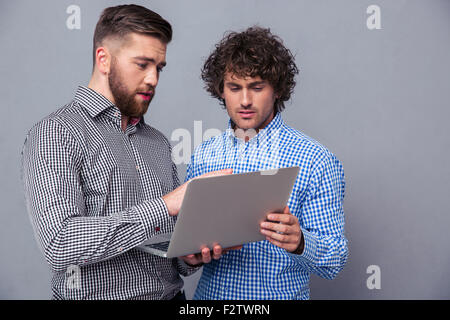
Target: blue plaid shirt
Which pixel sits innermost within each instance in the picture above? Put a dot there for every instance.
(261, 270)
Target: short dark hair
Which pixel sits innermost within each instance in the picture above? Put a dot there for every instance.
(121, 20)
(253, 52)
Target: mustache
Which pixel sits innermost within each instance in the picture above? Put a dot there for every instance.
(147, 90)
(246, 109)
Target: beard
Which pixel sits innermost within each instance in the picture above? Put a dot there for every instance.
(125, 100)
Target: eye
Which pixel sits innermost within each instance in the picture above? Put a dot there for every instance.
(258, 87)
(159, 69)
(141, 65)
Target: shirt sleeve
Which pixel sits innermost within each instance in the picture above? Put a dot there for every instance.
(322, 220)
(185, 269)
(190, 170)
(51, 160)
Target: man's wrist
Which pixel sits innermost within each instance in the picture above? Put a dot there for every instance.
(198, 265)
(300, 247)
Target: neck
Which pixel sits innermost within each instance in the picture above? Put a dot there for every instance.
(99, 83)
(124, 122)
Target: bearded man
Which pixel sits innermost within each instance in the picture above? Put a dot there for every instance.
(99, 181)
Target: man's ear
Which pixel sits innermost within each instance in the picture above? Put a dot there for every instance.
(277, 96)
(103, 60)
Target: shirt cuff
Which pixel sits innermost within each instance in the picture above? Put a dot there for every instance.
(155, 218)
(309, 250)
(185, 269)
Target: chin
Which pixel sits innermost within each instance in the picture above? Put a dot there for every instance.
(245, 125)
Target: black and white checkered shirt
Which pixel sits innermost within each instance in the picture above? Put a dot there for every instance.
(93, 193)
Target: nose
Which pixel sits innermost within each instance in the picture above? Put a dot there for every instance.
(246, 98)
(151, 78)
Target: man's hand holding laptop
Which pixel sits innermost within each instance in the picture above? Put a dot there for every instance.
(283, 230)
(173, 202)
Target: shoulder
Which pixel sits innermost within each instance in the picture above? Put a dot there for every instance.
(63, 121)
(53, 136)
(306, 150)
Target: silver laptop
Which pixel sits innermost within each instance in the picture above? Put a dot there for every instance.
(226, 210)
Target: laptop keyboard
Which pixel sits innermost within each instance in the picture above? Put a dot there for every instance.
(163, 246)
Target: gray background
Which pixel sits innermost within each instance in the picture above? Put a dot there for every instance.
(379, 99)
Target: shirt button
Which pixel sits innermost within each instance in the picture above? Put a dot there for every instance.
(157, 229)
(137, 168)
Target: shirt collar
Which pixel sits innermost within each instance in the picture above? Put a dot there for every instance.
(263, 134)
(92, 101)
(95, 103)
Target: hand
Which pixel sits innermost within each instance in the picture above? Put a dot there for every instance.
(174, 199)
(205, 255)
(283, 230)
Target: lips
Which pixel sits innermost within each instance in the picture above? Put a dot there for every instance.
(146, 95)
(246, 113)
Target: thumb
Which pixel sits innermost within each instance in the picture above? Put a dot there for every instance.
(286, 210)
(218, 172)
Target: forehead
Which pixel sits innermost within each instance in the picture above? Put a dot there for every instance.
(234, 78)
(241, 80)
(136, 44)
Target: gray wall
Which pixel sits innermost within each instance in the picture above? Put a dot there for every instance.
(378, 98)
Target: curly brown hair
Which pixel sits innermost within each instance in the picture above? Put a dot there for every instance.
(253, 52)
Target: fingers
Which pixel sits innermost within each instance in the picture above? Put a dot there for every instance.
(291, 227)
(282, 230)
(216, 173)
(207, 254)
(281, 223)
(174, 198)
(289, 242)
(217, 252)
(281, 237)
(221, 172)
(284, 218)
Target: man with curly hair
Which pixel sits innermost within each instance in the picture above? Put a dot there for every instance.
(252, 74)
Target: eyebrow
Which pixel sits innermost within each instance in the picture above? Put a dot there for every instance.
(251, 84)
(147, 59)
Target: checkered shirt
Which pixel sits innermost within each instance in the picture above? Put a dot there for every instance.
(261, 270)
(93, 193)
